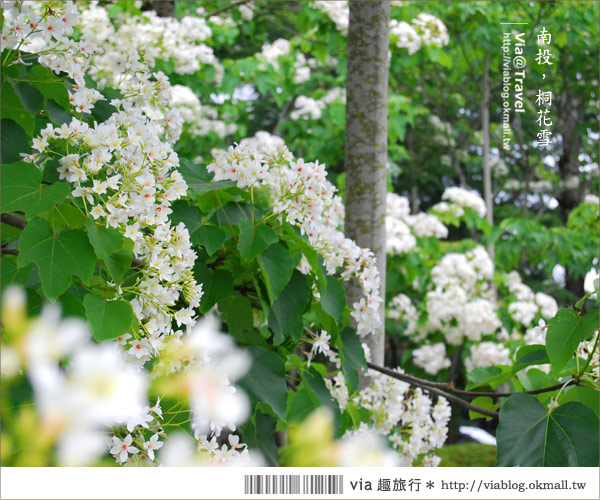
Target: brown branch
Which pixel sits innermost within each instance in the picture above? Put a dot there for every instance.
(226, 8)
(9, 251)
(14, 220)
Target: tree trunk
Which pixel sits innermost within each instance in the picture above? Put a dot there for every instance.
(366, 141)
(164, 8)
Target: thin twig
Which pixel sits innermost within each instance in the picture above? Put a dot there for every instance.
(9, 251)
(226, 8)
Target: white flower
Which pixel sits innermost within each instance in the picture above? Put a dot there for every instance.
(152, 445)
(121, 449)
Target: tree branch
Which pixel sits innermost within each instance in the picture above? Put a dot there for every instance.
(14, 220)
(226, 8)
(9, 251)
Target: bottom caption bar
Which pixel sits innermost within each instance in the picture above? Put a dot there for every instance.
(295, 483)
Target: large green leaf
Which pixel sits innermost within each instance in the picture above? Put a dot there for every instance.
(186, 213)
(210, 237)
(285, 318)
(237, 314)
(199, 179)
(315, 381)
(49, 85)
(107, 318)
(254, 240)
(14, 142)
(22, 190)
(259, 434)
(217, 286)
(58, 256)
(565, 331)
(277, 267)
(105, 240)
(489, 375)
(266, 380)
(119, 263)
(301, 403)
(12, 109)
(531, 436)
(527, 355)
(333, 300)
(353, 357)
(12, 274)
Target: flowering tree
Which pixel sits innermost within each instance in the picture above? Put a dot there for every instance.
(198, 260)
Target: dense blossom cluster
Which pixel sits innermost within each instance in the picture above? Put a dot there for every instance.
(271, 53)
(402, 227)
(426, 29)
(405, 415)
(308, 107)
(457, 199)
(303, 196)
(528, 304)
(431, 357)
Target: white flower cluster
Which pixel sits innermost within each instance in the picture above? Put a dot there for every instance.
(528, 304)
(302, 195)
(426, 29)
(199, 120)
(80, 388)
(271, 52)
(401, 227)
(487, 354)
(400, 308)
(307, 107)
(592, 199)
(432, 358)
(586, 349)
(459, 305)
(125, 173)
(405, 35)
(157, 37)
(458, 199)
(338, 12)
(404, 414)
(431, 30)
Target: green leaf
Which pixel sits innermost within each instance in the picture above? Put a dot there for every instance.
(58, 256)
(14, 142)
(57, 114)
(210, 237)
(315, 381)
(105, 240)
(491, 375)
(530, 436)
(277, 267)
(353, 357)
(12, 274)
(565, 331)
(254, 240)
(66, 215)
(30, 97)
(586, 394)
(12, 108)
(107, 318)
(285, 318)
(333, 301)
(484, 402)
(238, 316)
(49, 85)
(199, 179)
(22, 190)
(259, 434)
(217, 286)
(71, 305)
(301, 404)
(530, 355)
(186, 213)
(118, 264)
(266, 380)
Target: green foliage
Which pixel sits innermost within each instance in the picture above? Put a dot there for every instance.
(530, 435)
(565, 331)
(57, 256)
(107, 318)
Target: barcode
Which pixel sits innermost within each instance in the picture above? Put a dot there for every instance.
(293, 484)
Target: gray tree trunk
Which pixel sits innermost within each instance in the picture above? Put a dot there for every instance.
(366, 141)
(485, 119)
